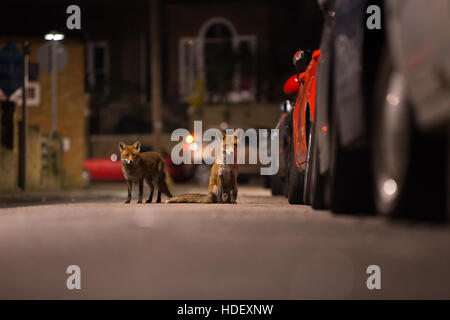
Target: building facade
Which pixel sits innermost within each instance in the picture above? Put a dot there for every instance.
(71, 120)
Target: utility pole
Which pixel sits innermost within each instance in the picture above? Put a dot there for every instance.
(54, 87)
(24, 127)
(155, 71)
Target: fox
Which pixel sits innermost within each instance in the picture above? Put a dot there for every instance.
(148, 166)
(226, 184)
(223, 178)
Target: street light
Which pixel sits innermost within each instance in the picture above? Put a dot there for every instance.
(54, 37)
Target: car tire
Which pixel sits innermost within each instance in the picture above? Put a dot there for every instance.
(276, 185)
(285, 187)
(285, 141)
(407, 166)
(348, 183)
(243, 178)
(313, 180)
(337, 184)
(296, 179)
(267, 182)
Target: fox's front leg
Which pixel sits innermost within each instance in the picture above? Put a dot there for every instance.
(141, 190)
(220, 195)
(234, 192)
(233, 196)
(130, 188)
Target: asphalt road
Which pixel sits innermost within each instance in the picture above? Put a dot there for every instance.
(261, 248)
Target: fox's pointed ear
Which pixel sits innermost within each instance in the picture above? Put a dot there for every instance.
(122, 145)
(137, 145)
(239, 133)
(220, 135)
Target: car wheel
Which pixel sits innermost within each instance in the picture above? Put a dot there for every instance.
(313, 180)
(285, 187)
(338, 184)
(407, 166)
(308, 172)
(243, 178)
(348, 180)
(267, 184)
(285, 178)
(276, 185)
(296, 182)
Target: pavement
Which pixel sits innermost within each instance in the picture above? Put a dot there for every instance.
(102, 191)
(260, 248)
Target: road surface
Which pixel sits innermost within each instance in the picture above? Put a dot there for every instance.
(261, 248)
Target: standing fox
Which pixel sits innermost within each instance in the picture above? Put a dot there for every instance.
(148, 166)
(223, 179)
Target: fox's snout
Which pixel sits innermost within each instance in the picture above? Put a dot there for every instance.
(128, 161)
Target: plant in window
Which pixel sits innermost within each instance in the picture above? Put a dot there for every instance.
(197, 97)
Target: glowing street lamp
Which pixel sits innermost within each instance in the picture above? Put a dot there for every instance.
(54, 37)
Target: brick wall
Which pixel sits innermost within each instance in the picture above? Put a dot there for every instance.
(72, 110)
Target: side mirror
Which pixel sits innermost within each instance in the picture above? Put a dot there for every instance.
(301, 77)
(316, 55)
(291, 86)
(301, 60)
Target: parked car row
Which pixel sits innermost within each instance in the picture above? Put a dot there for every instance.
(369, 131)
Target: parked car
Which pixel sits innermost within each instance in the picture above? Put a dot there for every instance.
(303, 113)
(278, 182)
(381, 136)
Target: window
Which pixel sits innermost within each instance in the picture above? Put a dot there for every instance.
(224, 60)
(33, 95)
(219, 62)
(98, 66)
(189, 69)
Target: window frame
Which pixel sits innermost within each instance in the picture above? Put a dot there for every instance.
(199, 60)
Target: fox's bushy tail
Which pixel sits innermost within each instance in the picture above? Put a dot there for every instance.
(164, 177)
(193, 198)
(164, 187)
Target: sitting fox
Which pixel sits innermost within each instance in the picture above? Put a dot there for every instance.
(227, 184)
(148, 166)
(223, 179)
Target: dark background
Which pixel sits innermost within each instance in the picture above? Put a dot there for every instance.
(281, 28)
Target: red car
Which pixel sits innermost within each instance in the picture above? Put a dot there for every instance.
(306, 63)
(110, 169)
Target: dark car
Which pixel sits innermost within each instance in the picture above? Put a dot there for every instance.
(382, 110)
(278, 182)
